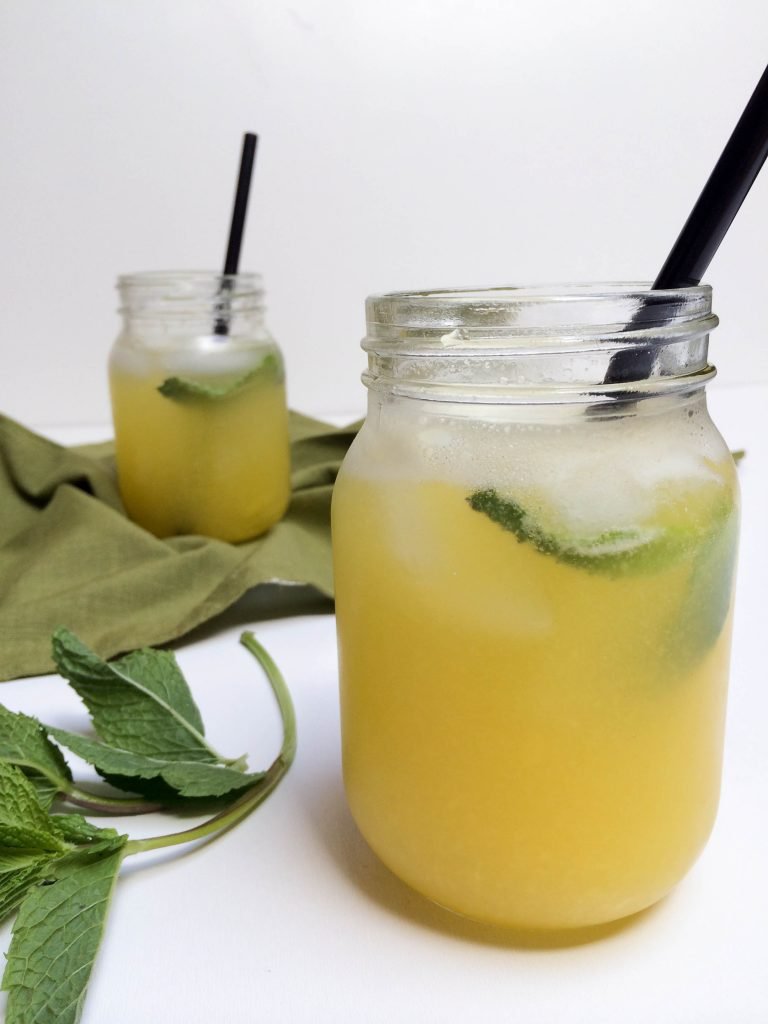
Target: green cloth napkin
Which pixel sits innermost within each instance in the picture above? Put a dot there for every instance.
(70, 557)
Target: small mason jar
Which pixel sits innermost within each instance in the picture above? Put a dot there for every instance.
(534, 583)
(199, 408)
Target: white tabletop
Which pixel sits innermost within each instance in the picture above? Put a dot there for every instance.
(291, 918)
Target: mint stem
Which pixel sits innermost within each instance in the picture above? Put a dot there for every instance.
(108, 804)
(254, 796)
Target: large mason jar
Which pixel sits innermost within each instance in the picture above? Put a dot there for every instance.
(534, 541)
(199, 409)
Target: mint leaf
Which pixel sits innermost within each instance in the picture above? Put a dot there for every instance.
(614, 552)
(711, 547)
(55, 940)
(24, 743)
(24, 824)
(187, 778)
(74, 828)
(608, 552)
(139, 703)
(45, 790)
(19, 871)
(187, 389)
(29, 842)
(13, 859)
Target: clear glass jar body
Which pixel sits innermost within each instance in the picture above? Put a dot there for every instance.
(534, 576)
(199, 409)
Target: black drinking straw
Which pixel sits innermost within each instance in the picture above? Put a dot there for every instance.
(709, 220)
(237, 226)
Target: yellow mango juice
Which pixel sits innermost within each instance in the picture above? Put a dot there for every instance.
(525, 741)
(188, 463)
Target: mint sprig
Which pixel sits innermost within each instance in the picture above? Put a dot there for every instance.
(612, 552)
(188, 389)
(60, 869)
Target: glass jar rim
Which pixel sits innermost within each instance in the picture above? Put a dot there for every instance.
(577, 342)
(187, 293)
(543, 292)
(510, 311)
(160, 278)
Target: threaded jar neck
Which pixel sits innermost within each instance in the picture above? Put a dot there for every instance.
(175, 303)
(557, 343)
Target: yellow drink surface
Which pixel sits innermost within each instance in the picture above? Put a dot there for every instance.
(525, 742)
(217, 467)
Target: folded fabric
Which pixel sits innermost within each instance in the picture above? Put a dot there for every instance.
(70, 557)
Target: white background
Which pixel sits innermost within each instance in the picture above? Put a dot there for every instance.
(406, 143)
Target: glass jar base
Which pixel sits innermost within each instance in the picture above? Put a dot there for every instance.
(550, 928)
(577, 918)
